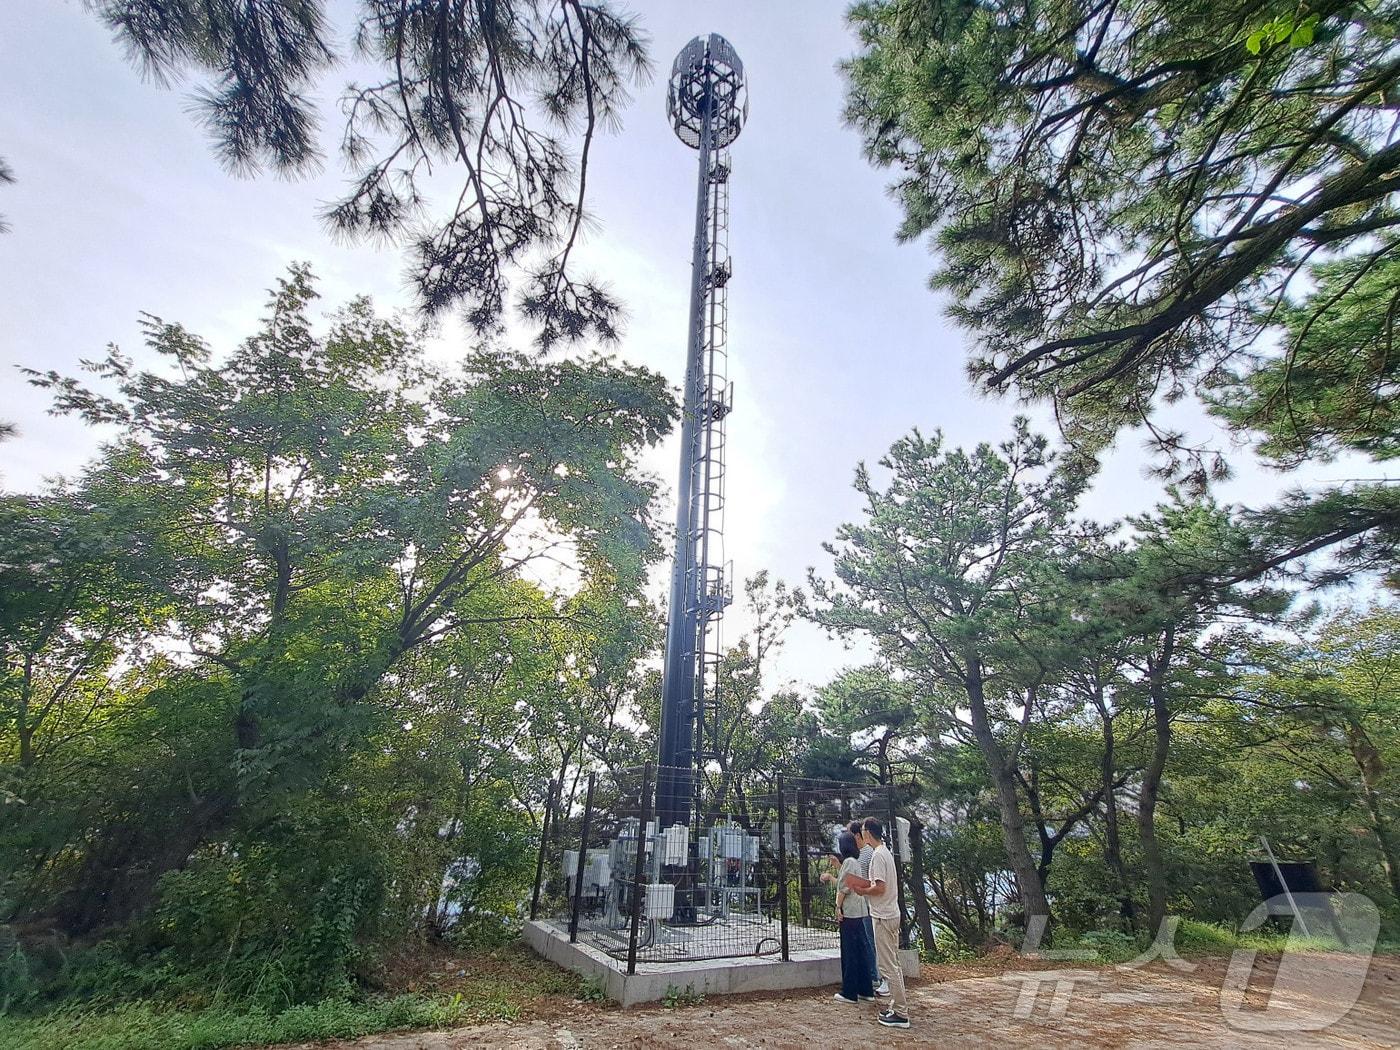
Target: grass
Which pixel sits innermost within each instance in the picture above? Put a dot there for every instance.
(139, 1026)
(1200, 938)
(505, 984)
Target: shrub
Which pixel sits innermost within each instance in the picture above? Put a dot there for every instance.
(1203, 938)
(1112, 945)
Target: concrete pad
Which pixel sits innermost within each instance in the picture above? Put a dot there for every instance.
(652, 981)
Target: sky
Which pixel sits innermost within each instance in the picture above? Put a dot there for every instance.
(837, 347)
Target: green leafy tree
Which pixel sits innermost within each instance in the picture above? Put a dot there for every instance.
(872, 716)
(314, 508)
(1122, 192)
(964, 854)
(1133, 203)
(1333, 387)
(510, 94)
(1176, 587)
(1330, 708)
(584, 717)
(1107, 726)
(66, 615)
(951, 573)
(761, 730)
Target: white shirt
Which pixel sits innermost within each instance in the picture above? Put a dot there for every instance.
(885, 904)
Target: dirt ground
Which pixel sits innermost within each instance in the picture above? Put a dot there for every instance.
(1154, 1006)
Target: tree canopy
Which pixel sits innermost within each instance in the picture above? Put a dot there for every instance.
(294, 531)
(1135, 201)
(509, 94)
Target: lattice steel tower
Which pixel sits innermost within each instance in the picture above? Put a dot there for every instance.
(707, 102)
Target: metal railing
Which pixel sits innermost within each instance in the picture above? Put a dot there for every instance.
(742, 878)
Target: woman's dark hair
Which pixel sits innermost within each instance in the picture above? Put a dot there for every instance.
(849, 850)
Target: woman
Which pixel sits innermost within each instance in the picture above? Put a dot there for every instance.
(851, 909)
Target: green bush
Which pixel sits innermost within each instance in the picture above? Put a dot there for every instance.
(1112, 945)
(1204, 938)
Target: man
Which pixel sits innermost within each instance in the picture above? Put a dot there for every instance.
(881, 890)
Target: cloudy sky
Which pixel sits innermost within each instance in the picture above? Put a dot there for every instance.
(837, 347)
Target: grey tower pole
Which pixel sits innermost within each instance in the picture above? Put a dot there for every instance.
(706, 103)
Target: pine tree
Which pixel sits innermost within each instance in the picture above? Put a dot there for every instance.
(512, 93)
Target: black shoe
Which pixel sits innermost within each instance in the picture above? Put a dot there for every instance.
(890, 1019)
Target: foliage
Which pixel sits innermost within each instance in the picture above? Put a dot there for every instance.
(140, 1025)
(1119, 192)
(1135, 203)
(1109, 946)
(949, 951)
(511, 94)
(593, 989)
(1070, 716)
(936, 575)
(678, 998)
(291, 667)
(281, 681)
(1334, 386)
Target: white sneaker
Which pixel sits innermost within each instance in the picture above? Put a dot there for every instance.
(884, 988)
(842, 999)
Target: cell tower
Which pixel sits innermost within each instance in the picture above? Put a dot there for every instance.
(707, 102)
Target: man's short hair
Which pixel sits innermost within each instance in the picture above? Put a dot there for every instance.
(855, 827)
(874, 828)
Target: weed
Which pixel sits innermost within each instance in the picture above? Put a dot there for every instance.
(677, 997)
(593, 990)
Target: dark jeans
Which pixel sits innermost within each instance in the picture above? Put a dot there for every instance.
(857, 959)
(869, 925)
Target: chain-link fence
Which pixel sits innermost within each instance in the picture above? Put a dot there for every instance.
(742, 878)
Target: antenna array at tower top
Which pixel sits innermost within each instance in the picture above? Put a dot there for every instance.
(707, 74)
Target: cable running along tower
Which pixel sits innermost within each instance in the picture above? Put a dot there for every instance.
(707, 102)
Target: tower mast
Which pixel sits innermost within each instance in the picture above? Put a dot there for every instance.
(707, 103)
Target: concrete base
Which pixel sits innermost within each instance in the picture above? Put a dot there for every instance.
(804, 969)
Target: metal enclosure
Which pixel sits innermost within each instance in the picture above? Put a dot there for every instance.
(707, 103)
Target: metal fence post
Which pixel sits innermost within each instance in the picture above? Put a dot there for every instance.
(645, 805)
(582, 858)
(782, 866)
(544, 846)
(804, 882)
(898, 874)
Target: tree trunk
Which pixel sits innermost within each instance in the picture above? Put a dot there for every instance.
(1042, 830)
(1368, 761)
(917, 885)
(1152, 782)
(1113, 846)
(1003, 773)
(120, 874)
